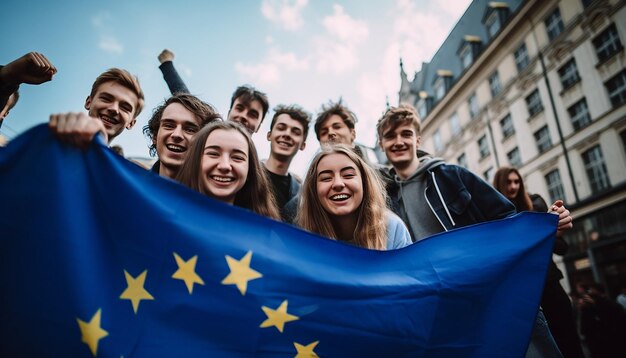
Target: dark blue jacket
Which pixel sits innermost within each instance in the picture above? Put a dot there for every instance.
(457, 197)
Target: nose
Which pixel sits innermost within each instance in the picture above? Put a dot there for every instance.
(114, 107)
(397, 140)
(224, 164)
(338, 183)
(178, 132)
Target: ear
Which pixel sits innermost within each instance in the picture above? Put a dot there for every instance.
(268, 135)
(418, 142)
(131, 123)
(352, 135)
(303, 145)
(88, 103)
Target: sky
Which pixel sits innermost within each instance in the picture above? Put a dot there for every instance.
(298, 52)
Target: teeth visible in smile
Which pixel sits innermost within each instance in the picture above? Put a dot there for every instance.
(109, 119)
(176, 148)
(339, 197)
(222, 179)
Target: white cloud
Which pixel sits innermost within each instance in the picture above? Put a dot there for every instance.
(345, 27)
(107, 41)
(417, 32)
(338, 50)
(269, 71)
(334, 57)
(284, 13)
(111, 45)
(333, 52)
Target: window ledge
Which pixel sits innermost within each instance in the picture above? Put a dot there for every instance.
(506, 138)
(533, 116)
(568, 88)
(605, 61)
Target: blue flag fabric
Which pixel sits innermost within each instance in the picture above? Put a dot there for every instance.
(100, 257)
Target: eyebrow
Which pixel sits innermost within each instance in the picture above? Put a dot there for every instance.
(341, 170)
(220, 148)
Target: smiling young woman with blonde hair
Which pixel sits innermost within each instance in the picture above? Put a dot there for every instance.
(342, 198)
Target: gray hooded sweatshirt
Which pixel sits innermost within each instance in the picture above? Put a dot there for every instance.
(414, 209)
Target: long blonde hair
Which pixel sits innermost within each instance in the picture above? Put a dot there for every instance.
(371, 227)
(254, 195)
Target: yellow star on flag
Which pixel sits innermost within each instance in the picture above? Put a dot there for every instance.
(240, 272)
(135, 292)
(92, 332)
(187, 272)
(277, 317)
(306, 351)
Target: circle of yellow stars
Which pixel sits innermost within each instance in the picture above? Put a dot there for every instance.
(240, 274)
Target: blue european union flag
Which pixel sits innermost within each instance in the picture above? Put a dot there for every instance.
(100, 257)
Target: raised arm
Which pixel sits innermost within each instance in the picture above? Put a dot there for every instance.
(33, 68)
(170, 75)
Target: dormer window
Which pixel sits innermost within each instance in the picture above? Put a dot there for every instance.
(495, 16)
(468, 51)
(442, 84)
(440, 88)
(423, 105)
(493, 24)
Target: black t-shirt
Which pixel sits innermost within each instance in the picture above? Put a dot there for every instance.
(280, 187)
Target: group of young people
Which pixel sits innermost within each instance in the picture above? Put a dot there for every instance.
(342, 196)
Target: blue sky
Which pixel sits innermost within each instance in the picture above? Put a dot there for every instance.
(298, 51)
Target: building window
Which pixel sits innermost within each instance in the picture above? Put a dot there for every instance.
(472, 102)
(542, 137)
(466, 56)
(494, 84)
(488, 174)
(514, 158)
(521, 57)
(607, 43)
(596, 169)
(569, 74)
(506, 124)
(462, 160)
(437, 141)
(555, 186)
(579, 113)
(455, 127)
(440, 89)
(616, 87)
(623, 135)
(483, 147)
(422, 110)
(493, 24)
(533, 102)
(554, 24)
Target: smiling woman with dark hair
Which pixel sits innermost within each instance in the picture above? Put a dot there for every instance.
(222, 163)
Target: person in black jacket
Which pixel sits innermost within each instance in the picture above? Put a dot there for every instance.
(554, 301)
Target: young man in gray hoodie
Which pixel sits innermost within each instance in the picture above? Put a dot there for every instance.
(431, 196)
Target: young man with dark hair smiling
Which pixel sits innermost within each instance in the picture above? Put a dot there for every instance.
(287, 135)
(171, 129)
